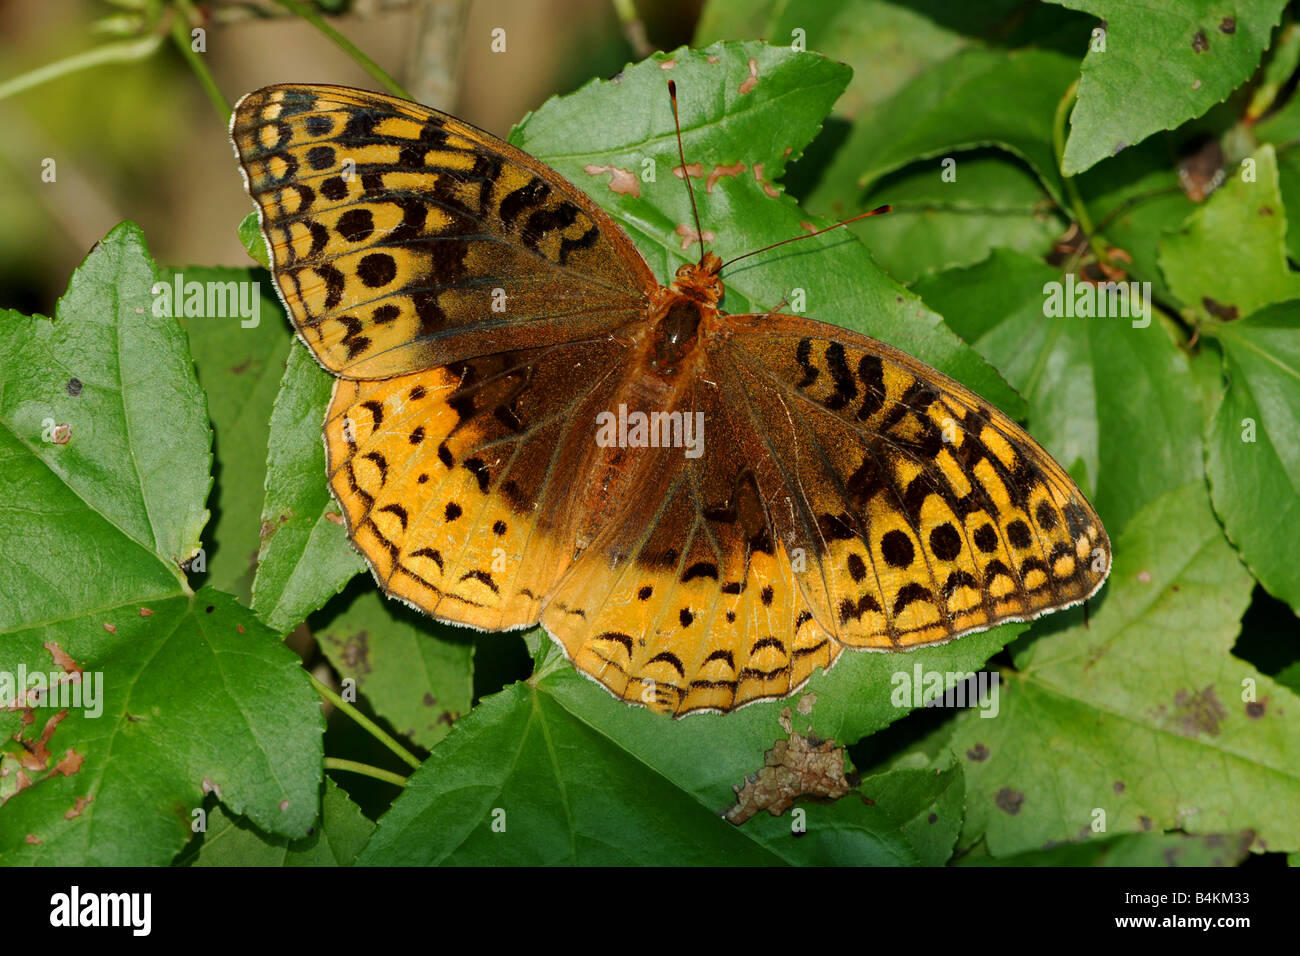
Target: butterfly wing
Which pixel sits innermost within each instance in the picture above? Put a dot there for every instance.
(936, 514)
(847, 495)
(403, 239)
(457, 483)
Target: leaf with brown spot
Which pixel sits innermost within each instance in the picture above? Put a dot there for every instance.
(1067, 731)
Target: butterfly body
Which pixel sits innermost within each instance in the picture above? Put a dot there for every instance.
(527, 427)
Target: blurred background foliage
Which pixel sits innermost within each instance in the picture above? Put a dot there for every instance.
(138, 140)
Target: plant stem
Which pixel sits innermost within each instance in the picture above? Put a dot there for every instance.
(181, 37)
(346, 45)
(1080, 211)
(633, 28)
(125, 51)
(338, 763)
(367, 724)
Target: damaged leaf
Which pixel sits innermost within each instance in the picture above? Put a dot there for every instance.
(1149, 681)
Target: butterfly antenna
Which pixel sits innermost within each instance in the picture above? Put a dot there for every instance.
(874, 212)
(686, 176)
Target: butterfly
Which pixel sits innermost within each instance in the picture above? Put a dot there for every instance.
(702, 509)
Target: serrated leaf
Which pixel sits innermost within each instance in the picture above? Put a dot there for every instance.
(927, 807)
(1162, 65)
(187, 692)
(118, 377)
(691, 766)
(940, 223)
(977, 98)
(888, 43)
(1229, 260)
(522, 781)
(1253, 445)
(1149, 682)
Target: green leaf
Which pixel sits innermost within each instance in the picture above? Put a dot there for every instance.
(735, 20)
(521, 781)
(417, 673)
(305, 556)
(888, 43)
(239, 367)
(335, 840)
(1253, 445)
(250, 237)
(1109, 401)
(1229, 260)
(1288, 172)
(937, 224)
(629, 123)
(138, 441)
(196, 697)
(1163, 64)
(927, 807)
(1139, 712)
(536, 744)
(1133, 849)
(569, 766)
(977, 98)
(188, 693)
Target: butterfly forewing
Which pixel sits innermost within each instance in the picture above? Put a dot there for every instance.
(935, 514)
(402, 239)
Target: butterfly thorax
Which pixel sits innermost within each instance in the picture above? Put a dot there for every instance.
(678, 311)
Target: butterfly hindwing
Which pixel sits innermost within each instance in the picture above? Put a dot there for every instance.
(403, 239)
(691, 604)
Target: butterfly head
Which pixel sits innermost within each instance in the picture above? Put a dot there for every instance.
(700, 281)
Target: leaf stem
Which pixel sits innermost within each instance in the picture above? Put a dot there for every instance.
(125, 51)
(346, 45)
(181, 37)
(366, 723)
(352, 766)
(1077, 206)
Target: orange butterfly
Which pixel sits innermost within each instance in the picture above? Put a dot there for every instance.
(701, 508)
